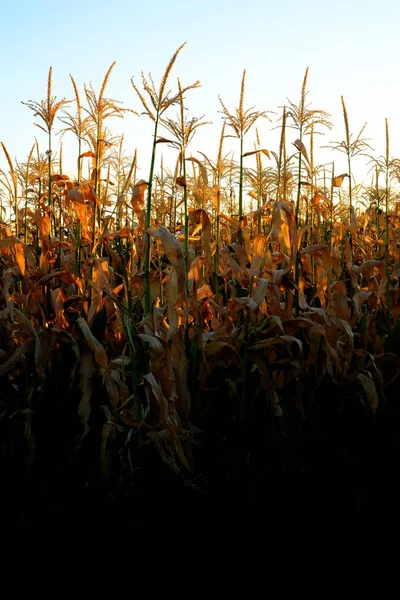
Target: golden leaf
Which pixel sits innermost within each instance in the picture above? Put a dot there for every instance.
(58, 299)
(202, 169)
(266, 152)
(138, 193)
(215, 197)
(162, 140)
(338, 180)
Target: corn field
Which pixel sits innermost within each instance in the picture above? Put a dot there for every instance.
(193, 321)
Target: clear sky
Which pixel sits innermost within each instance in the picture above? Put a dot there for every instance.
(351, 47)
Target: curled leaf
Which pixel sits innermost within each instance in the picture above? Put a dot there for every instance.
(202, 169)
(181, 181)
(301, 148)
(338, 180)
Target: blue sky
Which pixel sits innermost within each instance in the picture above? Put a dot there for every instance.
(351, 48)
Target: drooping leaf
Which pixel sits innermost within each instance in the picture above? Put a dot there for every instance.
(301, 148)
(93, 343)
(338, 180)
(203, 169)
(266, 152)
(138, 193)
(162, 140)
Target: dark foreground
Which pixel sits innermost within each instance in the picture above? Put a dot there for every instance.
(271, 478)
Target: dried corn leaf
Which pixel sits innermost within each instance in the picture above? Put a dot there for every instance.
(18, 248)
(58, 299)
(93, 343)
(301, 148)
(10, 362)
(203, 170)
(138, 193)
(215, 197)
(81, 193)
(260, 292)
(154, 393)
(197, 264)
(338, 180)
(266, 152)
(28, 327)
(369, 389)
(177, 279)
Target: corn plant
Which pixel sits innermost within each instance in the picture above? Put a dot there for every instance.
(47, 110)
(160, 101)
(241, 122)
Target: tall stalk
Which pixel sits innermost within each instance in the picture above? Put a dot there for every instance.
(241, 122)
(99, 109)
(26, 178)
(304, 121)
(347, 139)
(387, 196)
(47, 110)
(300, 146)
(350, 148)
(331, 204)
(160, 100)
(378, 210)
(148, 218)
(281, 166)
(220, 168)
(313, 178)
(183, 130)
(10, 182)
(241, 189)
(78, 125)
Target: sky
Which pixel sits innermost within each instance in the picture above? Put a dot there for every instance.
(351, 48)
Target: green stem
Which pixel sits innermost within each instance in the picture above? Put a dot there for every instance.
(78, 248)
(79, 158)
(241, 189)
(389, 320)
(378, 228)
(216, 260)
(350, 197)
(350, 184)
(25, 212)
(97, 181)
(185, 207)
(296, 258)
(49, 169)
(299, 183)
(148, 220)
(331, 207)
(36, 225)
